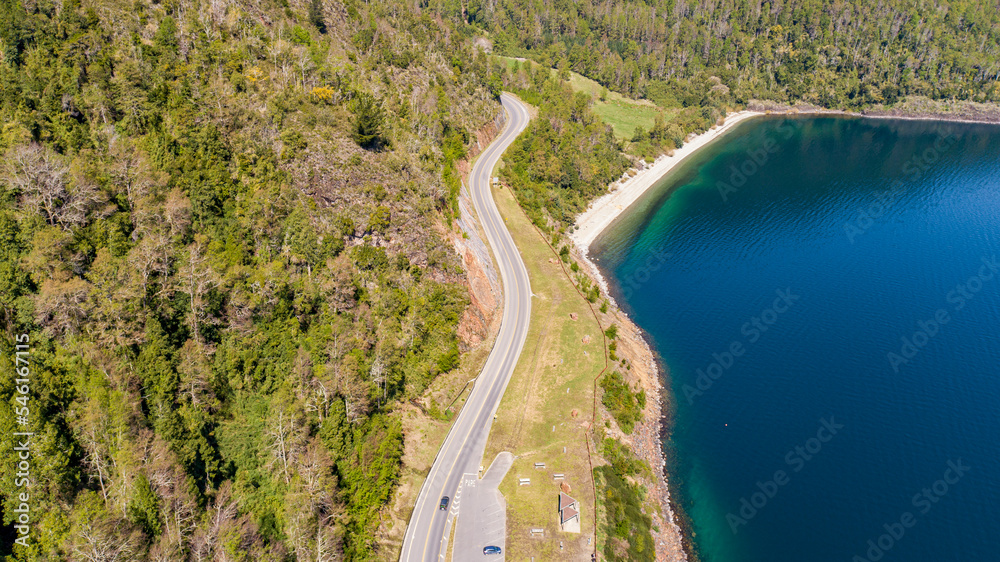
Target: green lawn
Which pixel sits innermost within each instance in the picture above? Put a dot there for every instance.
(622, 113)
(624, 116)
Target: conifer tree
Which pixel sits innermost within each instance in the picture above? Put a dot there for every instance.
(369, 118)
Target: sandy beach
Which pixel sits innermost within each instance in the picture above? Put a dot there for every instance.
(604, 210)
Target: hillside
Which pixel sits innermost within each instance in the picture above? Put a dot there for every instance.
(222, 230)
(828, 52)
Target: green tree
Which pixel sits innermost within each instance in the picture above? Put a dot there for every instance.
(316, 15)
(369, 120)
(379, 220)
(144, 508)
(166, 36)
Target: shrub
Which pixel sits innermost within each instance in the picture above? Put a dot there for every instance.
(623, 461)
(627, 527)
(624, 405)
(611, 332)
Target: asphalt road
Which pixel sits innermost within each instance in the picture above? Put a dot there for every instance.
(462, 452)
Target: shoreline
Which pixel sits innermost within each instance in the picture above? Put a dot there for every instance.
(943, 117)
(624, 192)
(674, 539)
(915, 108)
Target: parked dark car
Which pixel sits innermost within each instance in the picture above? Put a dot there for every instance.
(444, 503)
(491, 550)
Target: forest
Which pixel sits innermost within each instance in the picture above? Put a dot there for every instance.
(697, 61)
(222, 234)
(566, 157)
(832, 53)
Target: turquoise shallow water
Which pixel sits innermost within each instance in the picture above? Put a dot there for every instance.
(826, 295)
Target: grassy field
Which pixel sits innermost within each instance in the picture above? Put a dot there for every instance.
(509, 61)
(552, 387)
(622, 113)
(624, 117)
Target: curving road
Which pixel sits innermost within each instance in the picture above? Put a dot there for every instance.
(462, 452)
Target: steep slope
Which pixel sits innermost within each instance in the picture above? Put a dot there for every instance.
(829, 52)
(223, 233)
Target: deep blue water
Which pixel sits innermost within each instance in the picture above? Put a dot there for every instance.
(844, 237)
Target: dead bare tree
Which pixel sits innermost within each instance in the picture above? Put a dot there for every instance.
(106, 540)
(379, 375)
(221, 516)
(61, 306)
(178, 506)
(195, 369)
(42, 180)
(286, 434)
(177, 213)
(129, 171)
(92, 440)
(196, 278)
(40, 177)
(150, 258)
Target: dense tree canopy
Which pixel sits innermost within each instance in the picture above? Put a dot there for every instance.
(566, 157)
(828, 52)
(226, 296)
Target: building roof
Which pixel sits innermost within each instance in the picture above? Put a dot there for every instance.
(567, 514)
(565, 501)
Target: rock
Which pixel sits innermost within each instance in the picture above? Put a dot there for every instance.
(586, 339)
(481, 278)
(573, 315)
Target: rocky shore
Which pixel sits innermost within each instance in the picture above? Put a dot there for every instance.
(911, 108)
(645, 439)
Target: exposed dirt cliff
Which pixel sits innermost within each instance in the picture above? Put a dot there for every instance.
(468, 239)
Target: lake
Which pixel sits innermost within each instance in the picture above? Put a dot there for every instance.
(825, 292)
